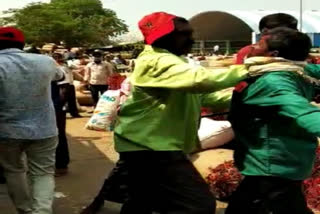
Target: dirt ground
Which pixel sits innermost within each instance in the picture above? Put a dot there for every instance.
(92, 158)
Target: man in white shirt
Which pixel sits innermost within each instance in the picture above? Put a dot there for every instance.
(96, 75)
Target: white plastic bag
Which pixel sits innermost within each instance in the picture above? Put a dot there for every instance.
(105, 113)
(125, 90)
(214, 133)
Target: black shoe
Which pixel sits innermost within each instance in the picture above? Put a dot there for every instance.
(94, 207)
(61, 172)
(76, 116)
(2, 180)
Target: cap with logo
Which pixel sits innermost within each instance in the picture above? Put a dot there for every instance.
(156, 25)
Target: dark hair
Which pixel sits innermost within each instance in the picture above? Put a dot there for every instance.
(163, 42)
(291, 44)
(4, 44)
(97, 53)
(33, 49)
(55, 54)
(78, 55)
(136, 52)
(278, 20)
(180, 19)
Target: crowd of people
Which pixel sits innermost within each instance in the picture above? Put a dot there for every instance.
(276, 127)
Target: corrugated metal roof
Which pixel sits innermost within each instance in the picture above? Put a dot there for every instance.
(311, 19)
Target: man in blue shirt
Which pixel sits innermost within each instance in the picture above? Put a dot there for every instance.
(28, 131)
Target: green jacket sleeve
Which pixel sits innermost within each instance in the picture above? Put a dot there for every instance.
(172, 72)
(217, 101)
(282, 90)
(313, 70)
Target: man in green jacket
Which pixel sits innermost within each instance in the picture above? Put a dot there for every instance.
(157, 126)
(276, 129)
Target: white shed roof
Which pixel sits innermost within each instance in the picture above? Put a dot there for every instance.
(311, 19)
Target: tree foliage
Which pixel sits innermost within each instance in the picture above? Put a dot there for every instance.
(74, 22)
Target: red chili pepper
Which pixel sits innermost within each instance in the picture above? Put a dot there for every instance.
(311, 185)
(224, 180)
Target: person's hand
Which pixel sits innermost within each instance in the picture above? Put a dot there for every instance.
(315, 104)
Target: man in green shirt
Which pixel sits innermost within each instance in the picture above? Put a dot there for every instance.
(157, 126)
(276, 129)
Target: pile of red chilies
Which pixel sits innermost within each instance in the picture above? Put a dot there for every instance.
(225, 178)
(311, 186)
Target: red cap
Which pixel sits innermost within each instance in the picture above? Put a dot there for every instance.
(11, 34)
(156, 25)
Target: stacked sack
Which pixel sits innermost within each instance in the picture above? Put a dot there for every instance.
(105, 114)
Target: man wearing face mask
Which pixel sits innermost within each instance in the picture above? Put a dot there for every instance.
(96, 75)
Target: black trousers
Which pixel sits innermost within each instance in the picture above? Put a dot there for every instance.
(2, 178)
(71, 101)
(96, 90)
(165, 182)
(115, 187)
(62, 152)
(264, 195)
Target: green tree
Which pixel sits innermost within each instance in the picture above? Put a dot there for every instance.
(74, 22)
